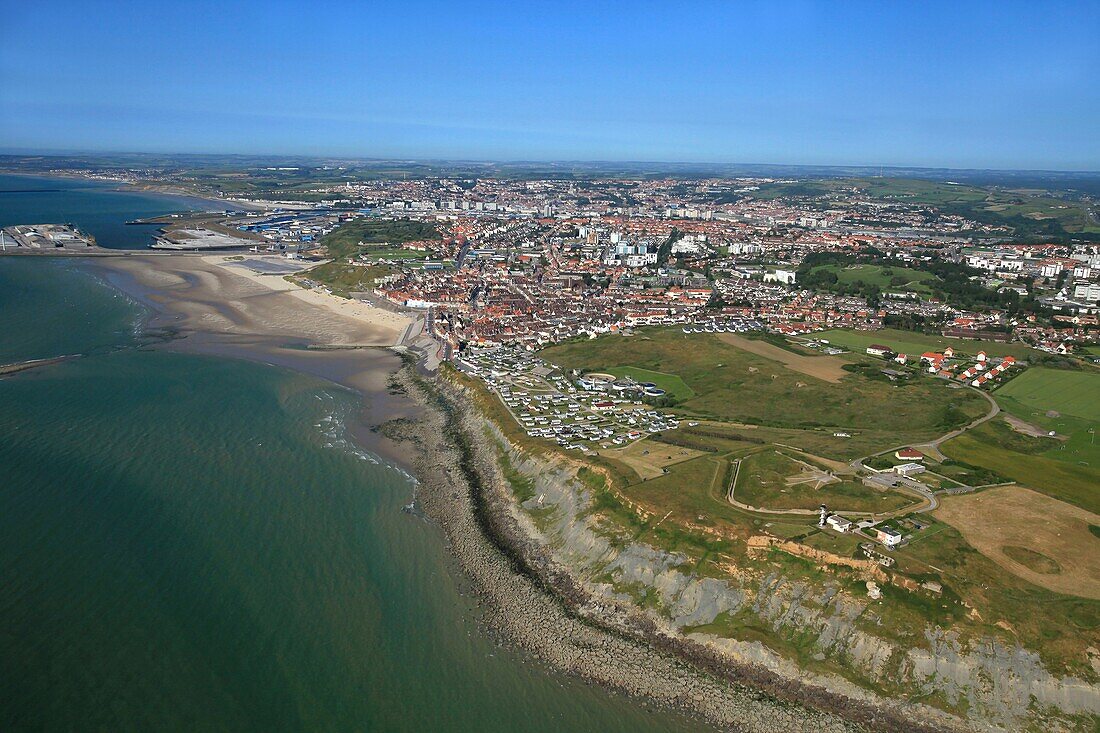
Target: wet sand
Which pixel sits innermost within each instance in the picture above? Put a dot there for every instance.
(209, 308)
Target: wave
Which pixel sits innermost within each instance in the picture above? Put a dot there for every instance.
(335, 435)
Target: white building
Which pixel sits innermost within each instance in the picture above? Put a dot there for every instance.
(888, 537)
(909, 469)
(1087, 291)
(787, 277)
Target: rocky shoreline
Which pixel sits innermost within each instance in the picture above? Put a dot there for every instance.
(538, 606)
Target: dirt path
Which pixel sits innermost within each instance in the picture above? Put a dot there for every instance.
(1022, 426)
(825, 368)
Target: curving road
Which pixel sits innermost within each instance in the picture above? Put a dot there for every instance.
(994, 410)
(934, 448)
(930, 500)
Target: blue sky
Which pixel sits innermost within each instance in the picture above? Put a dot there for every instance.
(959, 84)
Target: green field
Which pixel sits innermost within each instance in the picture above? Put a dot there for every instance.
(914, 343)
(692, 496)
(670, 383)
(732, 385)
(1027, 212)
(344, 240)
(386, 252)
(762, 482)
(1074, 393)
(888, 278)
(344, 278)
(1028, 461)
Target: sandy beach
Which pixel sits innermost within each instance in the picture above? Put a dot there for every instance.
(206, 304)
(211, 304)
(216, 294)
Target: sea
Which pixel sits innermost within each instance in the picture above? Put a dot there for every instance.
(192, 542)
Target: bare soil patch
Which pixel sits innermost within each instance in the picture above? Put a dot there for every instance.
(825, 368)
(1040, 539)
(650, 459)
(1022, 426)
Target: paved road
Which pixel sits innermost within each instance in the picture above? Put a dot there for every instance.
(931, 502)
(934, 445)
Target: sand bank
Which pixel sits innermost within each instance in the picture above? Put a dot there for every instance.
(204, 305)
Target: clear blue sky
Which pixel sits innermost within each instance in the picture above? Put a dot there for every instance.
(957, 84)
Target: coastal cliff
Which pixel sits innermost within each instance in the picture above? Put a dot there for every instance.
(556, 581)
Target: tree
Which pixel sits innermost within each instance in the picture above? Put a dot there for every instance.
(664, 252)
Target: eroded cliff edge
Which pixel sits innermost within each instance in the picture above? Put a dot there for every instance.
(559, 580)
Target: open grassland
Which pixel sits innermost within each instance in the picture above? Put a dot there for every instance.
(733, 385)
(694, 493)
(996, 447)
(651, 459)
(773, 480)
(1040, 539)
(344, 241)
(887, 277)
(344, 278)
(1076, 442)
(670, 383)
(826, 368)
(913, 343)
(1059, 626)
(1071, 392)
(711, 534)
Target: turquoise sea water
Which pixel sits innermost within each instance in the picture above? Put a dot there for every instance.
(192, 543)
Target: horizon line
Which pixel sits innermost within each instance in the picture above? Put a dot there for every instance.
(17, 152)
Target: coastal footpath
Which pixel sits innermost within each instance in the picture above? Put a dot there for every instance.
(537, 604)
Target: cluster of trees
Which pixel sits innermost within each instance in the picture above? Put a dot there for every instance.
(955, 283)
(822, 279)
(664, 252)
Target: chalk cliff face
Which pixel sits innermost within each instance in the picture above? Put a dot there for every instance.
(993, 686)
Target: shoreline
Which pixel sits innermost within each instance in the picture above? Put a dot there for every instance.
(165, 190)
(539, 606)
(198, 307)
(535, 604)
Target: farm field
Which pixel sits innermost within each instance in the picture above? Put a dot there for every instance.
(734, 385)
(1058, 553)
(1027, 211)
(911, 342)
